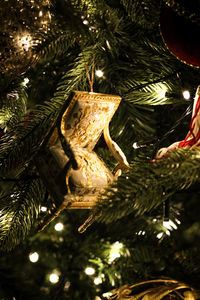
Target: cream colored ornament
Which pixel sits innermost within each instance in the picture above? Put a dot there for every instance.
(77, 174)
(82, 124)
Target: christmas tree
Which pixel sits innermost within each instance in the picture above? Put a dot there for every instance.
(140, 237)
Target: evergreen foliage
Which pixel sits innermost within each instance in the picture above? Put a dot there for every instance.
(128, 47)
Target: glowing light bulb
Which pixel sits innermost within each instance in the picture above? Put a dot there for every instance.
(169, 225)
(59, 226)
(26, 80)
(186, 95)
(40, 13)
(159, 235)
(108, 294)
(85, 22)
(162, 94)
(97, 281)
(135, 145)
(117, 245)
(53, 278)
(115, 251)
(141, 232)
(99, 73)
(89, 271)
(43, 208)
(34, 257)
(166, 224)
(24, 42)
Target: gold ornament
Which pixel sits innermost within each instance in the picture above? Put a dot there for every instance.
(77, 171)
(158, 289)
(20, 23)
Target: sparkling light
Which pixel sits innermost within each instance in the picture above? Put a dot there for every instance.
(89, 271)
(26, 80)
(59, 226)
(186, 95)
(135, 145)
(141, 232)
(169, 225)
(34, 257)
(85, 22)
(115, 251)
(159, 235)
(160, 91)
(43, 208)
(53, 278)
(162, 94)
(97, 281)
(117, 245)
(108, 294)
(99, 73)
(24, 42)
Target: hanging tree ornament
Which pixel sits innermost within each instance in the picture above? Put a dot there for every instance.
(72, 171)
(76, 175)
(193, 136)
(154, 289)
(180, 29)
(20, 24)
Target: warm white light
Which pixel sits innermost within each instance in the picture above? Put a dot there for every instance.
(113, 256)
(34, 257)
(108, 294)
(43, 208)
(26, 80)
(85, 22)
(135, 145)
(162, 94)
(117, 245)
(115, 251)
(108, 44)
(67, 285)
(169, 225)
(159, 235)
(99, 73)
(160, 91)
(186, 95)
(97, 281)
(166, 224)
(24, 42)
(141, 232)
(40, 13)
(59, 226)
(89, 271)
(53, 278)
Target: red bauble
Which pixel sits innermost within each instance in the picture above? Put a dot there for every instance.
(181, 36)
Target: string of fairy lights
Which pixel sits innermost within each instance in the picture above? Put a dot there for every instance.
(116, 250)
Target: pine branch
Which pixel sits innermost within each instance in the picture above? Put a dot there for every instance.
(19, 146)
(148, 184)
(19, 209)
(13, 108)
